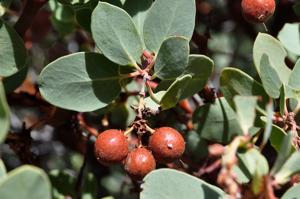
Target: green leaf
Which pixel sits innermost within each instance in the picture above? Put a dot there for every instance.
(151, 103)
(268, 123)
(12, 51)
(294, 80)
(2, 170)
(80, 82)
(266, 44)
(284, 152)
(289, 36)
(63, 184)
(4, 4)
(4, 114)
(253, 161)
(242, 174)
(282, 100)
(293, 192)
(235, 82)
(200, 68)
(276, 136)
(118, 115)
(290, 167)
(174, 92)
(269, 77)
(62, 12)
(172, 58)
(216, 121)
(83, 18)
(292, 90)
(196, 148)
(252, 165)
(63, 28)
(177, 185)
(245, 109)
(26, 182)
(138, 11)
(168, 18)
(12, 82)
(116, 35)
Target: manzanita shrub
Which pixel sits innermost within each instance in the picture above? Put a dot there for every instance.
(164, 99)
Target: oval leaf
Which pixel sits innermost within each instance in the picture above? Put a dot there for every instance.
(138, 11)
(200, 68)
(26, 182)
(172, 58)
(236, 82)
(266, 44)
(289, 168)
(116, 35)
(80, 82)
(177, 185)
(289, 36)
(12, 51)
(293, 192)
(168, 18)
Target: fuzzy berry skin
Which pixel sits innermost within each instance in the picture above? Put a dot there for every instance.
(111, 147)
(139, 163)
(167, 144)
(258, 11)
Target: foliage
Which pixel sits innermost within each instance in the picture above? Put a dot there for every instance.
(71, 69)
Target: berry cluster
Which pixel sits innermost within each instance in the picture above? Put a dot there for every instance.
(165, 145)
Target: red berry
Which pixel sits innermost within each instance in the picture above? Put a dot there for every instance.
(139, 163)
(167, 144)
(111, 147)
(258, 11)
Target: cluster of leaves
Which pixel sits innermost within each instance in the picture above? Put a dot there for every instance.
(247, 115)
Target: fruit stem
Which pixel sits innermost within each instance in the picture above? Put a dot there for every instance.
(130, 75)
(128, 131)
(266, 29)
(152, 95)
(148, 128)
(142, 95)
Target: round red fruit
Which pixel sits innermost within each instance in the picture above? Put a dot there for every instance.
(258, 11)
(139, 163)
(167, 144)
(111, 147)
